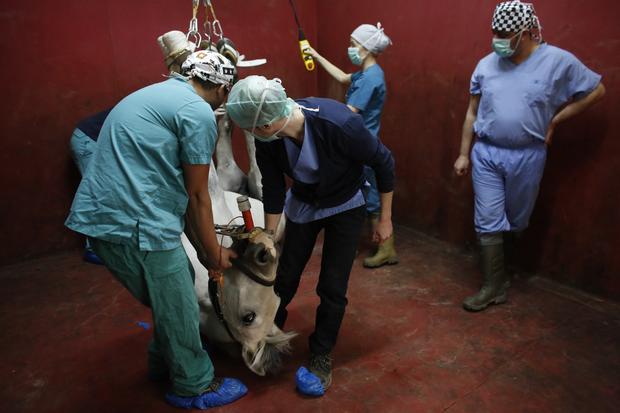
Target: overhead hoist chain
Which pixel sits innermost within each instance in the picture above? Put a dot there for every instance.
(192, 32)
(212, 26)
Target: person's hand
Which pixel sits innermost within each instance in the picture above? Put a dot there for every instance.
(461, 165)
(309, 50)
(549, 135)
(219, 263)
(221, 111)
(382, 231)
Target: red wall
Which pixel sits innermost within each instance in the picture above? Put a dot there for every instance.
(575, 230)
(66, 59)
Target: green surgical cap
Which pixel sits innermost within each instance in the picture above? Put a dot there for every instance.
(256, 101)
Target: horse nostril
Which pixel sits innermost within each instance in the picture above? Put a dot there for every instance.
(262, 256)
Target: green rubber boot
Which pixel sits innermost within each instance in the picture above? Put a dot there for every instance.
(494, 289)
(386, 254)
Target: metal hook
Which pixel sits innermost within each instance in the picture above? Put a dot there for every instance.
(217, 29)
(196, 37)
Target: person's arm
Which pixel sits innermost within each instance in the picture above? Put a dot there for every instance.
(199, 220)
(365, 147)
(271, 222)
(354, 109)
(574, 108)
(274, 185)
(467, 135)
(384, 228)
(334, 71)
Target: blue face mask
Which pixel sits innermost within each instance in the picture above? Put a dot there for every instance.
(502, 46)
(354, 55)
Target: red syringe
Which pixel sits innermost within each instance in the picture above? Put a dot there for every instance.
(243, 202)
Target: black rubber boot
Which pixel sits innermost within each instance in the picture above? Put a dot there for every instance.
(494, 288)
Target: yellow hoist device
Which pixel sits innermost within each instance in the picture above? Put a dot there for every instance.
(303, 42)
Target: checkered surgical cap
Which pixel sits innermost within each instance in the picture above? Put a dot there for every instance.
(514, 16)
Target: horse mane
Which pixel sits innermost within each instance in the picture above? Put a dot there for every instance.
(269, 357)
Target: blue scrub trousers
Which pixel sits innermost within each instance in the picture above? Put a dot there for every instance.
(506, 182)
(373, 200)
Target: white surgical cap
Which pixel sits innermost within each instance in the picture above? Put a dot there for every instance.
(256, 101)
(372, 38)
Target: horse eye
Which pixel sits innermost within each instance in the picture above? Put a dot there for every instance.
(249, 318)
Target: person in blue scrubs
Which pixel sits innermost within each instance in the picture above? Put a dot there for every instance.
(366, 96)
(146, 183)
(322, 146)
(83, 144)
(519, 94)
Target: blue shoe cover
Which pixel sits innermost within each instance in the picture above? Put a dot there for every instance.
(91, 257)
(308, 383)
(229, 391)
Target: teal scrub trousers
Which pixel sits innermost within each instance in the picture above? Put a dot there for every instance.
(164, 281)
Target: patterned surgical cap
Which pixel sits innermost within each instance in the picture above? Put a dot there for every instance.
(514, 16)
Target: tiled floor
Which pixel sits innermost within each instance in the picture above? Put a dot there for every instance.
(71, 342)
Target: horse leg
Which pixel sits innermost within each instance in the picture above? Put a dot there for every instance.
(255, 186)
(231, 176)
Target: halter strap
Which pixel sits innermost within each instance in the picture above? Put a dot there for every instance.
(248, 272)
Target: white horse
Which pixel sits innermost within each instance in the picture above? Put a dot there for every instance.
(241, 319)
(231, 176)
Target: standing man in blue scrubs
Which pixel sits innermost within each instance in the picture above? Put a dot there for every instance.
(366, 96)
(322, 146)
(146, 184)
(519, 94)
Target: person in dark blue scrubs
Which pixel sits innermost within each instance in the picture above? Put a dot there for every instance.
(322, 146)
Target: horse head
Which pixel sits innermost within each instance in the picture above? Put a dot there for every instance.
(248, 303)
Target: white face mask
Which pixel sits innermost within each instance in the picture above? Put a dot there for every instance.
(274, 136)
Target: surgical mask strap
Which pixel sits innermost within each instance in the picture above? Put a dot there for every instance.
(260, 106)
(305, 108)
(519, 40)
(288, 119)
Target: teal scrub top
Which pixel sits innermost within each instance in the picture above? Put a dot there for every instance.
(133, 190)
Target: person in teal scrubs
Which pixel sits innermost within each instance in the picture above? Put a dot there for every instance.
(366, 96)
(147, 183)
